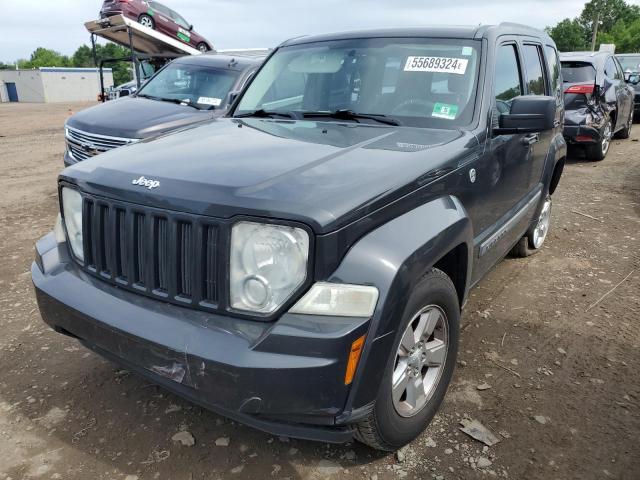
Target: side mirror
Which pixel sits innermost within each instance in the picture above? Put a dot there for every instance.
(190, 28)
(633, 78)
(124, 93)
(528, 114)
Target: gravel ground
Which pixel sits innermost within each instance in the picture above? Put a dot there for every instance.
(549, 358)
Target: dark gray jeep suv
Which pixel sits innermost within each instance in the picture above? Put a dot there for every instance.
(300, 266)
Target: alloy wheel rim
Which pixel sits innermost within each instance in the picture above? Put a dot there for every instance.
(420, 361)
(146, 22)
(202, 48)
(606, 138)
(542, 227)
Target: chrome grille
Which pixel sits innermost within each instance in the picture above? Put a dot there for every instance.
(83, 145)
(170, 256)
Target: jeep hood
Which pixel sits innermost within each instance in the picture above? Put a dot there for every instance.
(324, 174)
(133, 117)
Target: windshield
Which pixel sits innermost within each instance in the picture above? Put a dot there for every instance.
(200, 86)
(630, 63)
(417, 82)
(578, 72)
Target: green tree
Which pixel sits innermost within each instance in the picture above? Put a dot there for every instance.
(611, 12)
(625, 35)
(569, 35)
(7, 66)
(122, 71)
(44, 57)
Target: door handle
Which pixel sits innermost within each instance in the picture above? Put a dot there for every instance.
(529, 140)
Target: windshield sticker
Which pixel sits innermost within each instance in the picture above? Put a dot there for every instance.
(210, 101)
(467, 51)
(436, 64)
(444, 110)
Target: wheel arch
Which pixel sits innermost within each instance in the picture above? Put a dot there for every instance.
(394, 257)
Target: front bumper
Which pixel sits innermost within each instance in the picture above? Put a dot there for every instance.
(69, 159)
(284, 377)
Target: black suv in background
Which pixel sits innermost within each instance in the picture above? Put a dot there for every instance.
(300, 265)
(598, 101)
(630, 63)
(188, 90)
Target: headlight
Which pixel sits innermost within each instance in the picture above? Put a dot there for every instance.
(72, 209)
(268, 264)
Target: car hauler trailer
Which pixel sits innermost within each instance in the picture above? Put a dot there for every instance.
(144, 44)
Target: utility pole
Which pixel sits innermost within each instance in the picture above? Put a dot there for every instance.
(595, 32)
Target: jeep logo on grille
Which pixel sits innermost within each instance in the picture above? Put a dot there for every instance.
(145, 182)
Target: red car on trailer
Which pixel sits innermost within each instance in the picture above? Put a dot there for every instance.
(158, 17)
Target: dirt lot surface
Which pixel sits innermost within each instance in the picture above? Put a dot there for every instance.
(546, 362)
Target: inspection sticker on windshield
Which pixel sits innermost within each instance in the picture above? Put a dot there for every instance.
(210, 101)
(436, 64)
(444, 110)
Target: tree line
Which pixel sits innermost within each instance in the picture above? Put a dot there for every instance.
(82, 58)
(618, 23)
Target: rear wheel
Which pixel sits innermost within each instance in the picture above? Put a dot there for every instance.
(419, 369)
(532, 242)
(203, 47)
(626, 131)
(599, 150)
(146, 21)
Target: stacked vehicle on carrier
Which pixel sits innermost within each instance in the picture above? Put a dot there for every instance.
(300, 263)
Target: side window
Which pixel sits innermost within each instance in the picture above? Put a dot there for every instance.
(533, 66)
(553, 66)
(610, 69)
(507, 79)
(179, 20)
(619, 74)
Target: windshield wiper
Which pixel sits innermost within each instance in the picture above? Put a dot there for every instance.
(262, 113)
(170, 100)
(345, 114)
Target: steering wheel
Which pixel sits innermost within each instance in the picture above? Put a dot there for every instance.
(413, 106)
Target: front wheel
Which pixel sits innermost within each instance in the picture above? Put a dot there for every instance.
(203, 47)
(534, 239)
(599, 150)
(420, 367)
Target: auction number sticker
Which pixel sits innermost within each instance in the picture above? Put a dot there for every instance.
(436, 64)
(210, 101)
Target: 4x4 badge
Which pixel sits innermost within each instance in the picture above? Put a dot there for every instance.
(145, 182)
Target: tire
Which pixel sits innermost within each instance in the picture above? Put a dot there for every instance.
(599, 151)
(534, 239)
(392, 422)
(626, 131)
(203, 47)
(147, 21)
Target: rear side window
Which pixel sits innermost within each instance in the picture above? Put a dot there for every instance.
(534, 69)
(578, 72)
(553, 66)
(507, 79)
(610, 69)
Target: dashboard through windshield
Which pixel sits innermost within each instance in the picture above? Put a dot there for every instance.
(416, 82)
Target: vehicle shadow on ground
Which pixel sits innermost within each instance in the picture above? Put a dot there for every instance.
(77, 402)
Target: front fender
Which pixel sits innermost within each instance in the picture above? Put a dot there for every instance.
(557, 152)
(394, 257)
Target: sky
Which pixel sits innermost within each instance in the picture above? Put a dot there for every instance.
(59, 24)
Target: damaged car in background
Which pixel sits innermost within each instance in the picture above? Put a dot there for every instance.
(598, 101)
(631, 65)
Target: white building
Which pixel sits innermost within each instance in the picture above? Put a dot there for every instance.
(52, 84)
